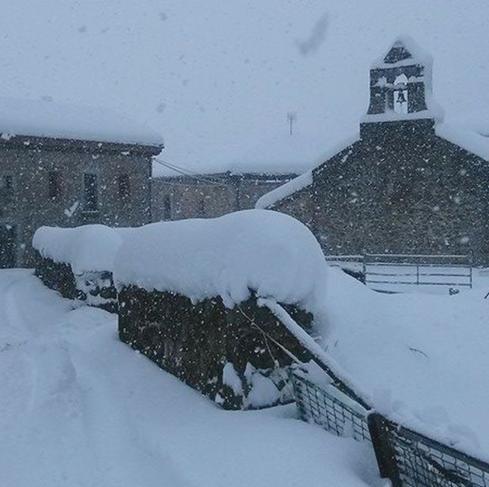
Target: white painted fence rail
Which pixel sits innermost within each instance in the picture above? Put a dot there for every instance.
(402, 272)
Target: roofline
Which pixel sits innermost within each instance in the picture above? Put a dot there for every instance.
(217, 177)
(35, 142)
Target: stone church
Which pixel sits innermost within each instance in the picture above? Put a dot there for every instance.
(57, 177)
(402, 187)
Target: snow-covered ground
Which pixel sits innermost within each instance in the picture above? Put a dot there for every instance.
(422, 358)
(79, 408)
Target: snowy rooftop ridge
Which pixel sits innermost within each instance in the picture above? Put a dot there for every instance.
(285, 190)
(269, 199)
(273, 155)
(46, 118)
(266, 252)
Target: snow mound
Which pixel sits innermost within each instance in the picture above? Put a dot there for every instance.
(267, 252)
(85, 248)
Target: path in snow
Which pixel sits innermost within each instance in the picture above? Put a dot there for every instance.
(79, 408)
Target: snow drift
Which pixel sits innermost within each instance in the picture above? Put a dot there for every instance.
(267, 252)
(421, 358)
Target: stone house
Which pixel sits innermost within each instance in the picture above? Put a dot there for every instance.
(407, 185)
(52, 176)
(209, 195)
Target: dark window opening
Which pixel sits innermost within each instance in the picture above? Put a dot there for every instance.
(167, 207)
(90, 189)
(54, 184)
(124, 186)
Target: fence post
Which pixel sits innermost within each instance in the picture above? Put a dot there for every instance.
(365, 268)
(384, 453)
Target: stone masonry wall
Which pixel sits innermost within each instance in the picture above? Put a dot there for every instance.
(400, 189)
(30, 160)
(205, 345)
(92, 288)
(178, 198)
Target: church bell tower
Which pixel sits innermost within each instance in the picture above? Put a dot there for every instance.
(400, 87)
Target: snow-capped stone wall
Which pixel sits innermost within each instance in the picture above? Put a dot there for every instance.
(78, 262)
(189, 299)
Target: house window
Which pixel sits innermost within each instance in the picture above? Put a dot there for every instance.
(90, 192)
(54, 184)
(124, 186)
(167, 213)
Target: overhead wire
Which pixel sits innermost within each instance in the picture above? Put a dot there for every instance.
(188, 173)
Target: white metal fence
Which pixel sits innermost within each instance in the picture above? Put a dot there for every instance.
(400, 272)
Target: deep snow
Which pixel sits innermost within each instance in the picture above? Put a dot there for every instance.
(79, 408)
(422, 358)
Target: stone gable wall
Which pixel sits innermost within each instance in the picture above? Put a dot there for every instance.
(403, 190)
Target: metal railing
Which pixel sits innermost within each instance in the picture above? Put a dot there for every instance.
(406, 457)
(395, 272)
(410, 459)
(392, 270)
(329, 408)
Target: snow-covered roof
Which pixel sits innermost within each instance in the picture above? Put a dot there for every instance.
(279, 154)
(466, 138)
(45, 118)
(265, 251)
(300, 182)
(285, 190)
(85, 248)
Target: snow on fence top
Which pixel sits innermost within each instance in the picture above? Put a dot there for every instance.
(267, 252)
(85, 248)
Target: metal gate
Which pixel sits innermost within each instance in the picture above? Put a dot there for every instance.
(396, 272)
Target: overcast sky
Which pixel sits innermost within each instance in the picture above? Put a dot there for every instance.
(217, 78)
